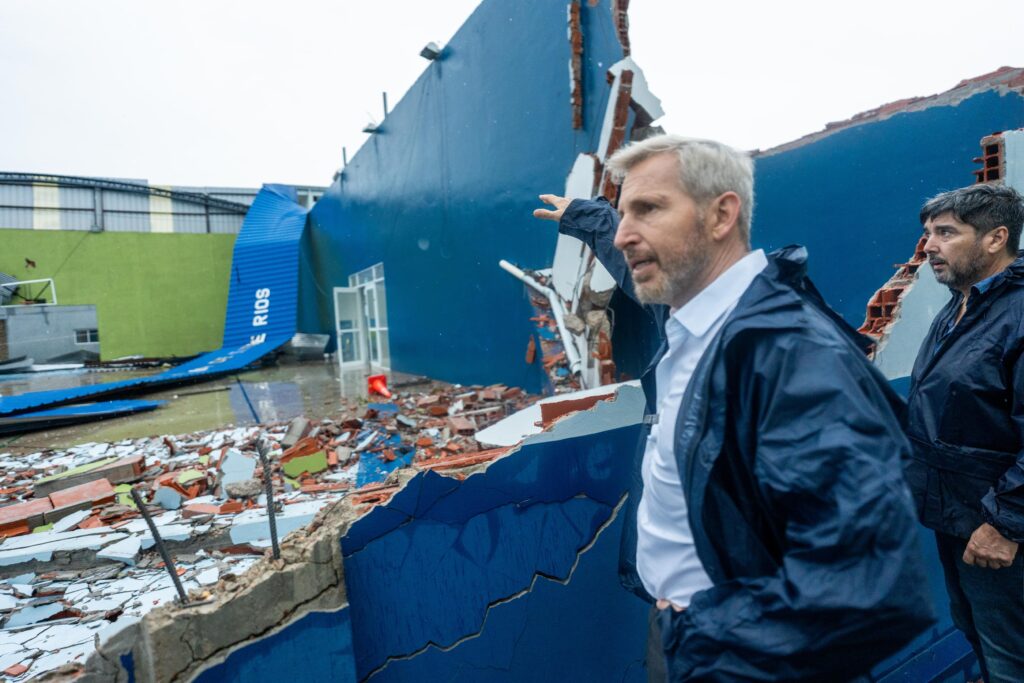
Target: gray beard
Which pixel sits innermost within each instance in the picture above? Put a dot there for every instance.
(680, 276)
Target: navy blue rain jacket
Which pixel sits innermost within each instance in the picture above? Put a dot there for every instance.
(790, 448)
(966, 413)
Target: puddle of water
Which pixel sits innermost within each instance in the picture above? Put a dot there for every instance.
(313, 389)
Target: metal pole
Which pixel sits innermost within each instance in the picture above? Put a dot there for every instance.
(268, 486)
(168, 562)
(385, 104)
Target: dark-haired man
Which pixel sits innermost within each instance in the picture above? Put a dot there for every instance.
(966, 418)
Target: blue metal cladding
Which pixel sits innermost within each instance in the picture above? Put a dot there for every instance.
(65, 415)
(445, 190)
(261, 309)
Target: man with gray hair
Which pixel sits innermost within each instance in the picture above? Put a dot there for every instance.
(773, 529)
(966, 418)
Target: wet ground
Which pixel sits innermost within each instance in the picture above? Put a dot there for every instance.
(314, 389)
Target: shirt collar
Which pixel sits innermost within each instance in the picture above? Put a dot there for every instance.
(984, 285)
(701, 312)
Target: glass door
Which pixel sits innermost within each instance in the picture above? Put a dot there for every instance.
(349, 325)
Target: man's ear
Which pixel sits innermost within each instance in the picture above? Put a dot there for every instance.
(722, 215)
(995, 239)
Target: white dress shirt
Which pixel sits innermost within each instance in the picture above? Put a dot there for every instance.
(665, 555)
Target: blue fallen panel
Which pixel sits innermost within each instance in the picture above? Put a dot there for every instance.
(67, 415)
(457, 565)
(262, 299)
(586, 629)
(316, 647)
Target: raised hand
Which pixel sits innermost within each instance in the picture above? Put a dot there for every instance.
(559, 204)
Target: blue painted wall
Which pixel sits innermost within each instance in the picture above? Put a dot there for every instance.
(446, 189)
(852, 198)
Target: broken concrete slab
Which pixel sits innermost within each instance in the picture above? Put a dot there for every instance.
(123, 551)
(299, 428)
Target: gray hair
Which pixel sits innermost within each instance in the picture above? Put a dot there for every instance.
(707, 169)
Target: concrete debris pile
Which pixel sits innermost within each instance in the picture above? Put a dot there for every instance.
(77, 551)
(57, 617)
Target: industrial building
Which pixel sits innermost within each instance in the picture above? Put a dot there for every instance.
(151, 261)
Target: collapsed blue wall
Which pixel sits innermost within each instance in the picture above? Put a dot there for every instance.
(437, 566)
(446, 189)
(317, 647)
(852, 197)
(507, 575)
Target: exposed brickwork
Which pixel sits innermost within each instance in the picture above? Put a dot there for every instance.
(885, 303)
(992, 160)
(620, 14)
(576, 64)
(618, 135)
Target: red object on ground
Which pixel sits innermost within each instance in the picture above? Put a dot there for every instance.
(15, 670)
(378, 384)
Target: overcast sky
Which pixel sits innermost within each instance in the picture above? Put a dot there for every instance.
(180, 92)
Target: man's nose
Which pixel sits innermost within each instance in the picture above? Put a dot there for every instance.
(624, 234)
(930, 245)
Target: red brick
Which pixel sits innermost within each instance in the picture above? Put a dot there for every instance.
(14, 519)
(94, 492)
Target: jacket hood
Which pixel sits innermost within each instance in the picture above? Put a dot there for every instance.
(784, 285)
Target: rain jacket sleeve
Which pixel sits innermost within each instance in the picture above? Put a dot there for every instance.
(850, 585)
(593, 222)
(1003, 505)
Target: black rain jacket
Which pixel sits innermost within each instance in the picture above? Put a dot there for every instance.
(789, 445)
(966, 413)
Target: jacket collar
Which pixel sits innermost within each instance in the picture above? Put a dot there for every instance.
(783, 285)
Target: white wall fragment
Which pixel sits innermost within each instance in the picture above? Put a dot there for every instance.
(920, 303)
(1013, 154)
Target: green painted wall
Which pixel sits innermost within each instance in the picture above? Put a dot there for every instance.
(156, 295)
